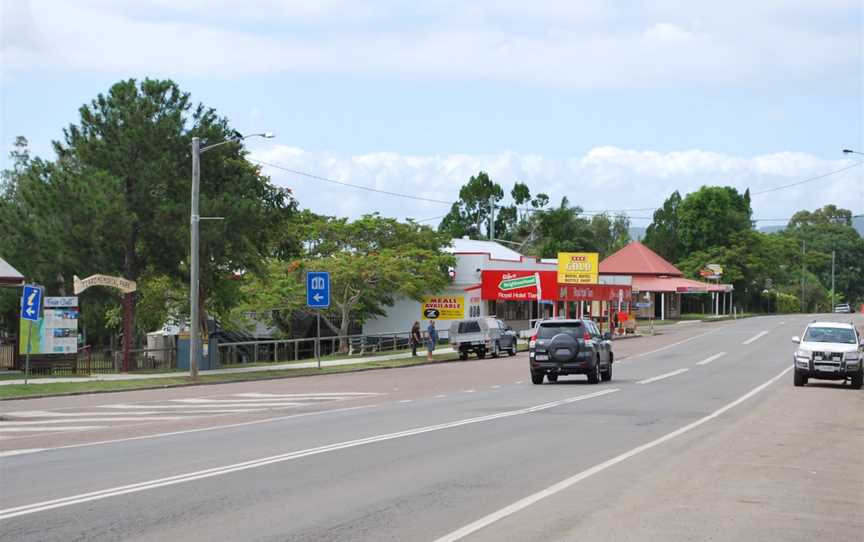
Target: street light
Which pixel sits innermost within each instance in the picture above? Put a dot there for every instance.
(850, 151)
(194, 336)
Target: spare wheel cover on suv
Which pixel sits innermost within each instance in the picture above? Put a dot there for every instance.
(563, 347)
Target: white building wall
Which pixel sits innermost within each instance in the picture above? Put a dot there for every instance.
(472, 257)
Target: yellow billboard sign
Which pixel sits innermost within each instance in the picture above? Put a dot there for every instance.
(578, 267)
(443, 307)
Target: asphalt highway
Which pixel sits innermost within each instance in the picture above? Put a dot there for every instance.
(700, 435)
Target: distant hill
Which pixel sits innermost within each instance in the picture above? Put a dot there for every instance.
(857, 223)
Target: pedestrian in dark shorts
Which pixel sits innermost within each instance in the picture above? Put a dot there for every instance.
(415, 338)
(431, 339)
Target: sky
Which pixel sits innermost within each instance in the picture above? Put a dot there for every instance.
(613, 104)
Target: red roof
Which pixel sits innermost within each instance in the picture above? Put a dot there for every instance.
(637, 259)
(676, 284)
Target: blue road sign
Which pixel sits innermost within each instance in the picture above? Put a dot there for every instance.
(318, 289)
(31, 303)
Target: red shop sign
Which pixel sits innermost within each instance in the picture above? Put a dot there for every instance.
(593, 292)
(519, 285)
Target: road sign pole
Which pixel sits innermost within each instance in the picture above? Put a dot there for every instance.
(27, 356)
(318, 338)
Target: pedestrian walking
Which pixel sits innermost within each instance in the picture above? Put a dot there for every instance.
(431, 339)
(416, 338)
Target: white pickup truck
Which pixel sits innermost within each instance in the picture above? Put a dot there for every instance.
(482, 336)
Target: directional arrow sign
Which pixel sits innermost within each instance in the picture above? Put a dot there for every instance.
(318, 289)
(31, 303)
(515, 284)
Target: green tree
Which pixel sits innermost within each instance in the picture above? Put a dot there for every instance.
(116, 200)
(371, 261)
(662, 234)
(470, 215)
(710, 216)
(561, 229)
(822, 232)
(610, 234)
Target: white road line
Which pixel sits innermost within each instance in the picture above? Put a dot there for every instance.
(100, 419)
(661, 377)
(673, 345)
(200, 406)
(756, 337)
(439, 396)
(298, 395)
(20, 452)
(242, 402)
(712, 358)
(494, 387)
(185, 431)
(49, 414)
(406, 401)
(469, 391)
(52, 429)
(524, 503)
(264, 461)
(520, 382)
(190, 410)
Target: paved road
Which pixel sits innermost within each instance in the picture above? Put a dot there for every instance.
(699, 436)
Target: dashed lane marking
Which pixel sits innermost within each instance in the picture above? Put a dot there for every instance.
(661, 377)
(756, 337)
(712, 358)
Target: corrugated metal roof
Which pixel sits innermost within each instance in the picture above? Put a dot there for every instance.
(637, 259)
(493, 249)
(9, 275)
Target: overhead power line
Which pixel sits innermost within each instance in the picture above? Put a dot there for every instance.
(357, 186)
(810, 180)
(532, 209)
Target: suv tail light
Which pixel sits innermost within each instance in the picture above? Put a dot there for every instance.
(533, 342)
(587, 336)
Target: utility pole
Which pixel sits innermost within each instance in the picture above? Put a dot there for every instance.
(195, 220)
(194, 278)
(803, 253)
(491, 218)
(833, 301)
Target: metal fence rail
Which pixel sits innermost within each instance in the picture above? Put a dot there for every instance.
(287, 350)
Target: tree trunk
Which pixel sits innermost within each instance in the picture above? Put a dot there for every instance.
(343, 330)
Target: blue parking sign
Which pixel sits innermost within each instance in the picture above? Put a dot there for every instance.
(318, 289)
(31, 303)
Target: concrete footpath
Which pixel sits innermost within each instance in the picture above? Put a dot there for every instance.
(256, 369)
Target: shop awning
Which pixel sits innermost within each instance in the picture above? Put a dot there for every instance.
(9, 276)
(676, 284)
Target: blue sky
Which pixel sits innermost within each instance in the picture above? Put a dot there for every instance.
(612, 104)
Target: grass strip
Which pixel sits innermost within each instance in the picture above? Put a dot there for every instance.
(20, 391)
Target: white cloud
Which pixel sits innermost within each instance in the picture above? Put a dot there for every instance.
(603, 178)
(589, 44)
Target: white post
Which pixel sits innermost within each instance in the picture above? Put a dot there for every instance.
(662, 305)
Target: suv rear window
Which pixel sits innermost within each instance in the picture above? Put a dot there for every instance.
(471, 326)
(547, 331)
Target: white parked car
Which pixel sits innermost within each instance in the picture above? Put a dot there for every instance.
(482, 336)
(843, 307)
(829, 351)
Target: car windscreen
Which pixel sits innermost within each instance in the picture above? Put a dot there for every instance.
(547, 331)
(829, 335)
(471, 326)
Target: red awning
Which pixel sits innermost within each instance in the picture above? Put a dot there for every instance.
(675, 284)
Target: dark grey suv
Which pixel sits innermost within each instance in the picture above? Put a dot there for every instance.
(567, 347)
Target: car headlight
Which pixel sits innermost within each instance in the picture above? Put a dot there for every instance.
(852, 356)
(803, 354)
